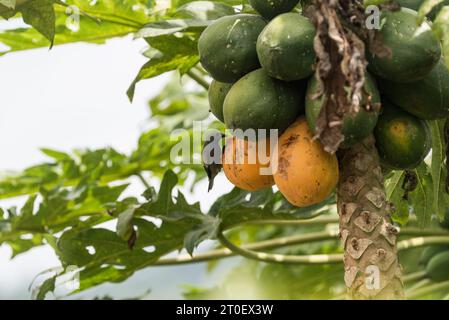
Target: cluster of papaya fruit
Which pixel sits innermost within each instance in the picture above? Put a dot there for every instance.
(262, 67)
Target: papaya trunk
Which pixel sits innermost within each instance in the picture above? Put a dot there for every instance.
(372, 270)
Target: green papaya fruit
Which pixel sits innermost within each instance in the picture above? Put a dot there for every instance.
(429, 252)
(227, 47)
(438, 267)
(217, 94)
(402, 140)
(258, 101)
(427, 98)
(285, 47)
(271, 8)
(415, 49)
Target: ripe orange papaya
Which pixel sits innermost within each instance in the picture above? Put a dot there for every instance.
(244, 166)
(304, 173)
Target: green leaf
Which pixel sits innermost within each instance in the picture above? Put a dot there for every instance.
(168, 53)
(395, 195)
(437, 168)
(57, 155)
(240, 206)
(125, 227)
(46, 287)
(41, 15)
(422, 197)
(105, 165)
(104, 255)
(178, 107)
(207, 229)
(79, 20)
(173, 42)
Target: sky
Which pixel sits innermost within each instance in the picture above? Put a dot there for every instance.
(73, 96)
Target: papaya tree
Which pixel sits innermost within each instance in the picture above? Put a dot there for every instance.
(356, 94)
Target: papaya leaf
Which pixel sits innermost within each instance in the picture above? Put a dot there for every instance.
(20, 246)
(437, 168)
(241, 206)
(75, 21)
(164, 224)
(421, 199)
(169, 53)
(206, 230)
(106, 165)
(106, 257)
(58, 209)
(173, 39)
(395, 195)
(172, 107)
(125, 226)
(55, 154)
(41, 15)
(46, 287)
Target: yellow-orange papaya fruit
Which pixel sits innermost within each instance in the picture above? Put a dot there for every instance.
(304, 173)
(243, 166)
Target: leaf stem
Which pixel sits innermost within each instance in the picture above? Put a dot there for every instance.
(419, 275)
(142, 179)
(308, 222)
(267, 244)
(287, 241)
(280, 258)
(428, 290)
(422, 241)
(193, 74)
(422, 283)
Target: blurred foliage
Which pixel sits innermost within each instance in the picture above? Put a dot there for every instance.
(249, 279)
(74, 198)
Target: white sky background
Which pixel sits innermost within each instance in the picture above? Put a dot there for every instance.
(74, 97)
